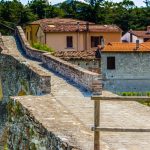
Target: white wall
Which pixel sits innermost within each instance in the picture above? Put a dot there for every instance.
(126, 37)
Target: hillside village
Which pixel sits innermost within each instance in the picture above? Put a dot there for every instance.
(75, 75)
(124, 63)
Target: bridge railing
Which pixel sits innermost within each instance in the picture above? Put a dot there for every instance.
(97, 99)
(84, 78)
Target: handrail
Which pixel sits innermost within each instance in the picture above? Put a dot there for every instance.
(97, 99)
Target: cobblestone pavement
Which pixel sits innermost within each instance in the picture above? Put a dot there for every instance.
(113, 113)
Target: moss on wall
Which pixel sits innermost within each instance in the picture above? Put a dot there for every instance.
(1, 91)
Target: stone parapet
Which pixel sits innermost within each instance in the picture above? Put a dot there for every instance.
(84, 78)
(29, 51)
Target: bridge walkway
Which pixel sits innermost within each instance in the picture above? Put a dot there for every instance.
(113, 113)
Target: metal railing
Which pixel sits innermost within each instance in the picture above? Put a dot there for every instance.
(97, 127)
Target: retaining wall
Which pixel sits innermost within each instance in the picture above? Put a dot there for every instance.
(84, 78)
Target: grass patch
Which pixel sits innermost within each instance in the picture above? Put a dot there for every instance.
(43, 47)
(147, 103)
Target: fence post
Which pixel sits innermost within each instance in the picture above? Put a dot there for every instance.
(96, 124)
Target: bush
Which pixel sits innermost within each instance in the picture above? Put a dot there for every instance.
(148, 94)
(42, 47)
(147, 103)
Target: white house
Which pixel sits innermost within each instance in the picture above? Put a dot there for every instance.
(133, 35)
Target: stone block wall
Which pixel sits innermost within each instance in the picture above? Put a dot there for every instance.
(75, 73)
(17, 78)
(90, 81)
(25, 132)
(131, 73)
(29, 51)
(89, 64)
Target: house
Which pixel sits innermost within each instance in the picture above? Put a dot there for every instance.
(71, 34)
(84, 59)
(133, 35)
(125, 67)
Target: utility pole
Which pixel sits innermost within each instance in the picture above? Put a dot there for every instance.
(147, 2)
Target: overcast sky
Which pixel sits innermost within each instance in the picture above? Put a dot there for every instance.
(137, 2)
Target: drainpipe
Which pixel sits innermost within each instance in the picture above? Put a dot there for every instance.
(45, 38)
(31, 38)
(86, 36)
(78, 26)
(137, 45)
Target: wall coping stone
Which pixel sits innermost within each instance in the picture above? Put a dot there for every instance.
(69, 64)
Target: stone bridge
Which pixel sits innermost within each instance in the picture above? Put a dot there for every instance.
(58, 113)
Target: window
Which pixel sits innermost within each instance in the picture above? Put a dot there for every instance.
(69, 42)
(111, 63)
(96, 40)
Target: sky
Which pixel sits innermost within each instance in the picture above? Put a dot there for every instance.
(137, 2)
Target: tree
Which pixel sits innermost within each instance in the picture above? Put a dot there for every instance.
(94, 2)
(147, 2)
(38, 7)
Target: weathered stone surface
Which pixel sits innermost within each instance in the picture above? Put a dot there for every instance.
(45, 124)
(79, 75)
(18, 77)
(130, 74)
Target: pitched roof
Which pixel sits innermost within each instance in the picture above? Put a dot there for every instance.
(126, 47)
(143, 34)
(115, 47)
(60, 21)
(71, 25)
(75, 54)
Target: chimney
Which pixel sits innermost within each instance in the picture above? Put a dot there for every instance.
(87, 26)
(137, 45)
(148, 29)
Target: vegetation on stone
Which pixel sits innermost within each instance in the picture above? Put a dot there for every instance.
(43, 47)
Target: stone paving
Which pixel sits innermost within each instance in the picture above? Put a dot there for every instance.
(77, 103)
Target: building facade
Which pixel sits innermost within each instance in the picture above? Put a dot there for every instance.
(84, 59)
(71, 34)
(126, 67)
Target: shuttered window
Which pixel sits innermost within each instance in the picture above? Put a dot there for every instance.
(111, 64)
(96, 40)
(69, 42)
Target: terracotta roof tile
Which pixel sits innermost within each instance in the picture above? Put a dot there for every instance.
(60, 21)
(143, 34)
(126, 47)
(114, 47)
(70, 25)
(75, 54)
